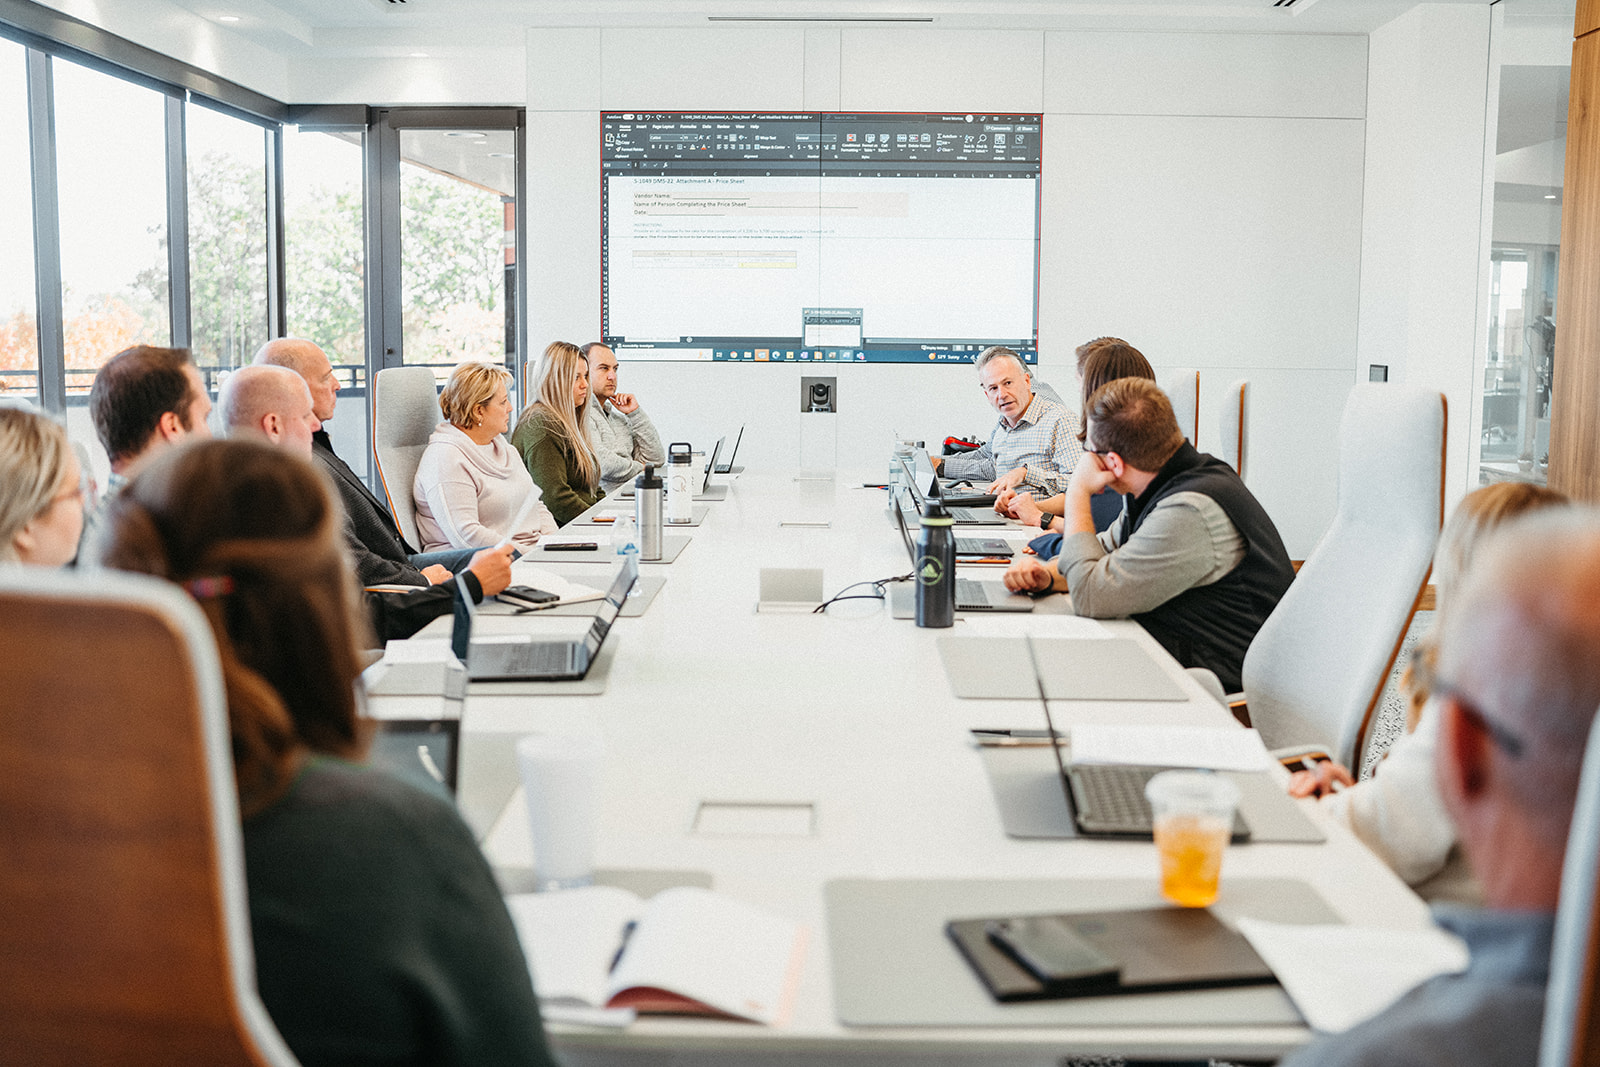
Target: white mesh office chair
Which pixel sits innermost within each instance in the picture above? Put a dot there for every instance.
(126, 937)
(1317, 667)
(1183, 389)
(405, 410)
(1231, 426)
(1571, 1036)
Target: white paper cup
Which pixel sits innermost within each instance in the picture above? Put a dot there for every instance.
(561, 778)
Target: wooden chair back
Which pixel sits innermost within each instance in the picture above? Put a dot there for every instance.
(125, 936)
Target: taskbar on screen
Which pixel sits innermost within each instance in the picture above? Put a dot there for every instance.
(767, 352)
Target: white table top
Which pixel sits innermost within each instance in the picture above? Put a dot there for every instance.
(849, 712)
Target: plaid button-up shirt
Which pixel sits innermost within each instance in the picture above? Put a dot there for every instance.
(1044, 442)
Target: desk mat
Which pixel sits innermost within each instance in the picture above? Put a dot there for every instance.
(893, 964)
(591, 684)
(697, 515)
(999, 668)
(671, 547)
(1027, 789)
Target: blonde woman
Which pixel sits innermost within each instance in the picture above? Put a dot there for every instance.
(471, 485)
(1398, 812)
(41, 494)
(550, 435)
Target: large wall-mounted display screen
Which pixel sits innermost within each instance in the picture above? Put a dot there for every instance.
(901, 238)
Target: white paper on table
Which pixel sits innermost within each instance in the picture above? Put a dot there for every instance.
(1217, 748)
(1019, 624)
(1339, 976)
(569, 591)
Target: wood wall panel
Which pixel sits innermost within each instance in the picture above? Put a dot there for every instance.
(1588, 19)
(1575, 401)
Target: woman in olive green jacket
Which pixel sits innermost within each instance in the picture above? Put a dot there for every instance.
(550, 433)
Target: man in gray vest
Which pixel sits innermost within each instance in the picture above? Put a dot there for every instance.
(1193, 557)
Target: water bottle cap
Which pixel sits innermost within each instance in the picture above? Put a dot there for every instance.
(650, 479)
(934, 514)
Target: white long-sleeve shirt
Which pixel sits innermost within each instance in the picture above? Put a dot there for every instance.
(468, 495)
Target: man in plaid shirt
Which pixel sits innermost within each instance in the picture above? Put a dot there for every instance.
(1035, 443)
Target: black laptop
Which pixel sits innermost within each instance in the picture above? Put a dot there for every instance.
(970, 595)
(728, 467)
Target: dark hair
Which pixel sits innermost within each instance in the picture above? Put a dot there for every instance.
(132, 391)
(1133, 418)
(584, 348)
(253, 533)
(1105, 359)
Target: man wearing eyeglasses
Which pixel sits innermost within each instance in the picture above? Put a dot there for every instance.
(1517, 688)
(1193, 557)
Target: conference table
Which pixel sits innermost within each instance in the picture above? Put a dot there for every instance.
(772, 753)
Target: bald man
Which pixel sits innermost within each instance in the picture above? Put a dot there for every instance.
(274, 404)
(1517, 686)
(380, 551)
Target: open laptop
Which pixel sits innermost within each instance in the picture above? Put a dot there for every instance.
(707, 491)
(973, 548)
(728, 467)
(1107, 800)
(925, 485)
(526, 657)
(970, 595)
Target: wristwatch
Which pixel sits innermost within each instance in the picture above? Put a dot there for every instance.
(1045, 519)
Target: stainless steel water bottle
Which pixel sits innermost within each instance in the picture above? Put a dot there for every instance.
(680, 482)
(935, 571)
(647, 504)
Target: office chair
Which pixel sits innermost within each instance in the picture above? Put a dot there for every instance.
(1317, 667)
(126, 937)
(405, 410)
(1183, 389)
(1571, 1036)
(1231, 425)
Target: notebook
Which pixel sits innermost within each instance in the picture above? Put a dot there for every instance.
(527, 657)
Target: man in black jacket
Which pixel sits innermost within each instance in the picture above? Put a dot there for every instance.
(274, 404)
(380, 551)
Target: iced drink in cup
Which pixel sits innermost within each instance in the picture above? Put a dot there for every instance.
(1193, 813)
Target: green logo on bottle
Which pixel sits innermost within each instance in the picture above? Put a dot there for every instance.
(929, 570)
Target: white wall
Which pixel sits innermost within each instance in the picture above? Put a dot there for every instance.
(1422, 252)
(1202, 199)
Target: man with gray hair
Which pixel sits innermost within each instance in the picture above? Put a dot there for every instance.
(380, 551)
(1517, 685)
(1035, 443)
(274, 404)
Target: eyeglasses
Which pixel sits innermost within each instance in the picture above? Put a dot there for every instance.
(1503, 738)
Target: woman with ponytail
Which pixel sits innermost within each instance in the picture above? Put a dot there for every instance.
(550, 435)
(380, 936)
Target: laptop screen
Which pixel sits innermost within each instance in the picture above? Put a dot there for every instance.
(727, 468)
(711, 468)
(611, 607)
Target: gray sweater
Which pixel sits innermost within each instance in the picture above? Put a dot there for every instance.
(622, 443)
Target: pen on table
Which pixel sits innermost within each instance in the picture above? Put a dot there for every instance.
(627, 932)
(873, 485)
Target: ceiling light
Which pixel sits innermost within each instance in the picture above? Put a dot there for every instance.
(419, 55)
(502, 155)
(227, 18)
(1549, 196)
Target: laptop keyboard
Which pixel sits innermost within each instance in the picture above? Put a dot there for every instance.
(1111, 799)
(977, 546)
(970, 595)
(539, 659)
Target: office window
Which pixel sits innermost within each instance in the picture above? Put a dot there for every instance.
(1525, 251)
(227, 170)
(19, 339)
(111, 165)
(458, 202)
(325, 269)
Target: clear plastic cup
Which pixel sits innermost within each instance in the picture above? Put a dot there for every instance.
(1193, 815)
(561, 778)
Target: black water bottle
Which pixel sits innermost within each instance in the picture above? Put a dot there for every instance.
(935, 572)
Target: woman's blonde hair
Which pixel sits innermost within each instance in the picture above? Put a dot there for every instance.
(553, 398)
(33, 458)
(471, 386)
(1479, 514)
(254, 535)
